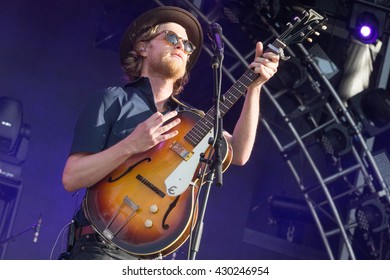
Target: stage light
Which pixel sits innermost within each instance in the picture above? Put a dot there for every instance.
(372, 109)
(366, 22)
(366, 31)
(336, 140)
(371, 215)
(10, 123)
(367, 28)
(14, 134)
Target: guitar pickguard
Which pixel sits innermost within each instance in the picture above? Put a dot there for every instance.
(178, 181)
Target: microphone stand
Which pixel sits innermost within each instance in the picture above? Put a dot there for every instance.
(215, 170)
(13, 237)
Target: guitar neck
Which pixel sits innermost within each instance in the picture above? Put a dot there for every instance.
(205, 124)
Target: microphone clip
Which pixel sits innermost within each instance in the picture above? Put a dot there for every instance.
(215, 34)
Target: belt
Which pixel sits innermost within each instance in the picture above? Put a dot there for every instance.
(84, 230)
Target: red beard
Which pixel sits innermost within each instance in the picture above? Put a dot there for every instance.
(167, 65)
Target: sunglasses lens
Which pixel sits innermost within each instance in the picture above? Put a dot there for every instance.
(174, 39)
(188, 47)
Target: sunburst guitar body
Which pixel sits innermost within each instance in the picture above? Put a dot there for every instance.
(147, 206)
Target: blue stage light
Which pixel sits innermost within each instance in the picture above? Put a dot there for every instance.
(366, 28)
(366, 22)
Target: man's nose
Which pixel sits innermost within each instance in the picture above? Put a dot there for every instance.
(180, 45)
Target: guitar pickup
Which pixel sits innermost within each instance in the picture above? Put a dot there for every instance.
(181, 151)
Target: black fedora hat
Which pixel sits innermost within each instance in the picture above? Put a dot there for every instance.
(161, 15)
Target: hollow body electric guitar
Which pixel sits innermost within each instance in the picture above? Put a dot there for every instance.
(146, 206)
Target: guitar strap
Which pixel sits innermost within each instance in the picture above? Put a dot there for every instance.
(183, 106)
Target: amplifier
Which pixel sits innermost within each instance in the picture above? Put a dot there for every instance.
(10, 172)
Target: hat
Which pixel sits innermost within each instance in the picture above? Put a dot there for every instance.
(161, 15)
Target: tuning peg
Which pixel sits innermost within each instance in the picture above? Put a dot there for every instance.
(310, 40)
(289, 25)
(324, 27)
(317, 33)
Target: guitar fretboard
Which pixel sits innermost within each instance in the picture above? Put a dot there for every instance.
(205, 124)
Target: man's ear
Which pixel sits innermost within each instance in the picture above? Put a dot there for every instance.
(142, 49)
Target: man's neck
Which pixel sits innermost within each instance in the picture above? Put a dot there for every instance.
(162, 90)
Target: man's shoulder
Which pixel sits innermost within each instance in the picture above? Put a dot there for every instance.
(109, 93)
(113, 91)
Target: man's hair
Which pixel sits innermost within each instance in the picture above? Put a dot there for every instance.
(133, 62)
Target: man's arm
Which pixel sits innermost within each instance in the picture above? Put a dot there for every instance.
(244, 134)
(84, 170)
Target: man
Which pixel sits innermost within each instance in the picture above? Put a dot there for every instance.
(122, 123)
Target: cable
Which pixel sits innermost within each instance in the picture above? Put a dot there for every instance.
(58, 237)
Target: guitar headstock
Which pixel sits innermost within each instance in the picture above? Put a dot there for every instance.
(303, 27)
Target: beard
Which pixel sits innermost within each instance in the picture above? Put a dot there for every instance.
(167, 66)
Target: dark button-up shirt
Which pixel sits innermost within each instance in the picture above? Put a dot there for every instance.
(111, 115)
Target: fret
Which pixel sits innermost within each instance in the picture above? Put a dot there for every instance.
(193, 136)
(209, 120)
(188, 138)
(224, 108)
(239, 86)
(203, 128)
(197, 134)
(227, 100)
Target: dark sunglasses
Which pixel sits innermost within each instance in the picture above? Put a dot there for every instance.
(172, 38)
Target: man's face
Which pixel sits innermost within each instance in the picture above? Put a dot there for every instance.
(165, 58)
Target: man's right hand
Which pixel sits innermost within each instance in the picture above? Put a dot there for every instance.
(153, 131)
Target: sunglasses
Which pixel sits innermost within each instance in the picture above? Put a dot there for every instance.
(173, 38)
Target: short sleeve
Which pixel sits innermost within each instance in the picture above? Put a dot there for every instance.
(96, 120)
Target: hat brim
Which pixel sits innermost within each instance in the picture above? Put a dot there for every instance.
(161, 15)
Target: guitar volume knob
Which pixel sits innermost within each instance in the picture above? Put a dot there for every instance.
(153, 208)
(148, 223)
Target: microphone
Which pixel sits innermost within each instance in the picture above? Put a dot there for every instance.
(37, 228)
(215, 35)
